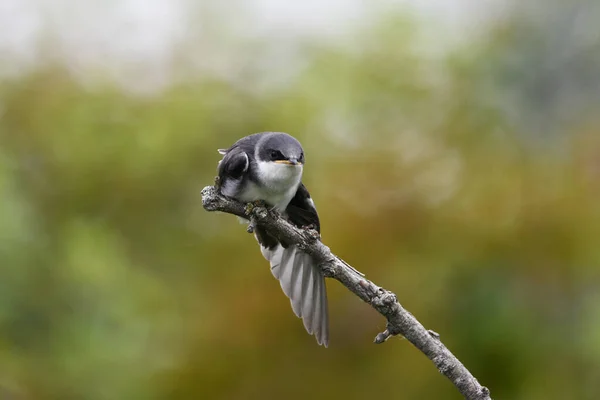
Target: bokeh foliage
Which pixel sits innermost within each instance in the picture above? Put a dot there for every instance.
(433, 175)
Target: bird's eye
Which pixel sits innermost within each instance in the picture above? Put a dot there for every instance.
(276, 155)
(301, 157)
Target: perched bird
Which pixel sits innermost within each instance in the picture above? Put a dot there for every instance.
(268, 166)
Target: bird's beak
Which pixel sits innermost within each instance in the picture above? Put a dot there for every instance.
(290, 161)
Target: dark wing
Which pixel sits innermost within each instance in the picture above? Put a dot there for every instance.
(302, 211)
(231, 170)
(234, 164)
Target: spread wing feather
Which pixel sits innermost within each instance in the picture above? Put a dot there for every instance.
(300, 278)
(304, 284)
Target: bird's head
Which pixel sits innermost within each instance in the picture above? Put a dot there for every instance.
(281, 148)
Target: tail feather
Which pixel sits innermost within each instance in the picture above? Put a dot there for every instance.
(321, 317)
(297, 296)
(308, 296)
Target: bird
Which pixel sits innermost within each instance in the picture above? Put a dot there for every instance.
(267, 167)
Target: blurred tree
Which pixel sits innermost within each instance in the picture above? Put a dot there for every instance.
(109, 267)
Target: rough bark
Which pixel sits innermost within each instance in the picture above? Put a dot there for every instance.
(399, 320)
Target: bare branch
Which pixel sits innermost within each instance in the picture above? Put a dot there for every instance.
(399, 321)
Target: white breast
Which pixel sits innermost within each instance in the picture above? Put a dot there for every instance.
(278, 184)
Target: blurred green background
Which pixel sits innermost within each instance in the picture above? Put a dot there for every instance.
(454, 158)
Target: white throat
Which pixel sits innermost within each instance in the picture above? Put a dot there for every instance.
(278, 184)
(279, 177)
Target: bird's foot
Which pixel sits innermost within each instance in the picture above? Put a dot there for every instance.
(312, 231)
(254, 204)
